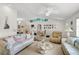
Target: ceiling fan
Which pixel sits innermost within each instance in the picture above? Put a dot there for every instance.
(48, 11)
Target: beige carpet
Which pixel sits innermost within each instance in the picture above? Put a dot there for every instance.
(33, 50)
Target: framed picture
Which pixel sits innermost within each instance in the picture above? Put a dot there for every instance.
(32, 25)
(71, 22)
(6, 26)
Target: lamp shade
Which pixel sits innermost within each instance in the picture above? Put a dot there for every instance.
(68, 28)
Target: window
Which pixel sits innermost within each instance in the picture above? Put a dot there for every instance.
(77, 27)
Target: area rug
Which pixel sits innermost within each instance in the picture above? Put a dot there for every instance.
(33, 50)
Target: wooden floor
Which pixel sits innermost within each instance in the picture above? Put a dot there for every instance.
(33, 50)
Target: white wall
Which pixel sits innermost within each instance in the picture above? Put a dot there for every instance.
(6, 11)
(73, 18)
(59, 25)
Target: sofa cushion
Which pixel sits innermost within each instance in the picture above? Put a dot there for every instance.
(71, 40)
(20, 37)
(10, 42)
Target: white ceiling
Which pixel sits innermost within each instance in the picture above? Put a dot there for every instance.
(58, 10)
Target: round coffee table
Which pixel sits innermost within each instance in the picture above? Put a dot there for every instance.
(43, 46)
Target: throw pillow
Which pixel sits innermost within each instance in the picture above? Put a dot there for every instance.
(77, 43)
(20, 37)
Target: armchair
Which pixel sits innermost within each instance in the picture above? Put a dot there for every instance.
(40, 35)
(56, 37)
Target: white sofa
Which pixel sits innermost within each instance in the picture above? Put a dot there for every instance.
(11, 45)
(69, 49)
(15, 47)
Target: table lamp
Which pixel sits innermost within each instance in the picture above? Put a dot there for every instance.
(68, 30)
